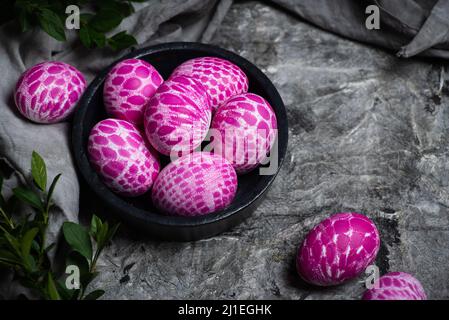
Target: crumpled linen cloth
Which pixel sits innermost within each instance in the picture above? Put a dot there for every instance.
(408, 27)
(416, 26)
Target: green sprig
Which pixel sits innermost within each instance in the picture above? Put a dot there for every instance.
(23, 246)
(98, 18)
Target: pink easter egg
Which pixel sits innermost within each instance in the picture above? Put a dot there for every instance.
(396, 286)
(195, 184)
(222, 78)
(338, 249)
(244, 129)
(49, 91)
(128, 88)
(178, 116)
(122, 158)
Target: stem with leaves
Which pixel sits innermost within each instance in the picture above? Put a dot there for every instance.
(23, 242)
(97, 19)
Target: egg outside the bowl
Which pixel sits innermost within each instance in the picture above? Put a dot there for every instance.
(339, 248)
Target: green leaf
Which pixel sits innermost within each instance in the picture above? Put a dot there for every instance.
(78, 238)
(52, 24)
(102, 235)
(65, 293)
(25, 248)
(24, 21)
(95, 225)
(85, 37)
(94, 295)
(39, 171)
(85, 18)
(123, 8)
(27, 241)
(30, 263)
(99, 39)
(52, 189)
(87, 278)
(35, 246)
(51, 288)
(121, 41)
(29, 197)
(6, 263)
(9, 257)
(106, 20)
(12, 241)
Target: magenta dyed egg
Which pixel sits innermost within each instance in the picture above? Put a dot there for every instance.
(122, 158)
(222, 78)
(337, 249)
(244, 130)
(128, 88)
(49, 91)
(178, 116)
(195, 184)
(396, 286)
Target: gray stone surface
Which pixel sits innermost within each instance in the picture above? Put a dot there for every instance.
(368, 133)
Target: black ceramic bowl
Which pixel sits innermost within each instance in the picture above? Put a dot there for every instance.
(139, 212)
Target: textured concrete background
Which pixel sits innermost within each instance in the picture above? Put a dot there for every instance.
(368, 133)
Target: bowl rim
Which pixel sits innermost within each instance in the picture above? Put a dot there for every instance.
(123, 208)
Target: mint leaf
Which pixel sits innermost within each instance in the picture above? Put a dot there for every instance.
(39, 171)
(78, 238)
(52, 24)
(121, 41)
